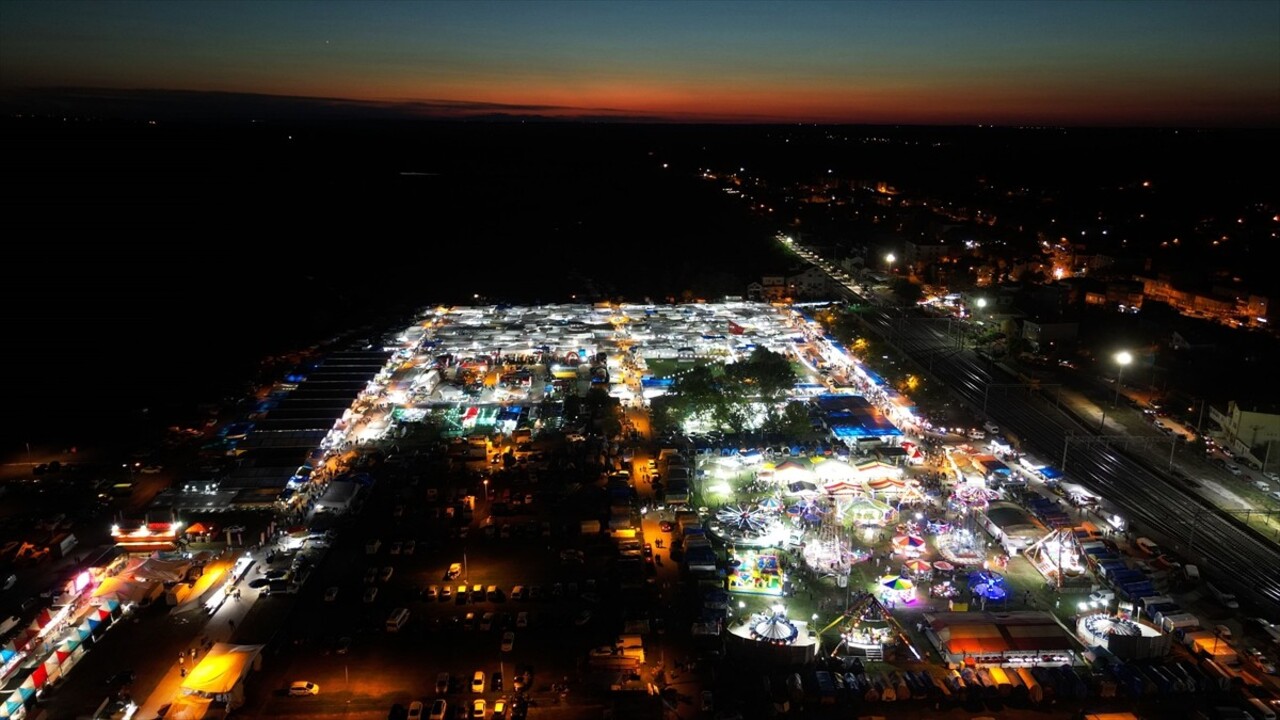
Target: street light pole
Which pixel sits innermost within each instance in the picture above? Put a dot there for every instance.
(1123, 358)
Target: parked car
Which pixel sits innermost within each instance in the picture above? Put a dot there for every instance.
(477, 682)
(442, 682)
(301, 688)
(415, 710)
(1147, 546)
(508, 641)
(439, 710)
(122, 678)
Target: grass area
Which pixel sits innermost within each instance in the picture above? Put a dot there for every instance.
(666, 367)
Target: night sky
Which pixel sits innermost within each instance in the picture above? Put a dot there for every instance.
(1062, 63)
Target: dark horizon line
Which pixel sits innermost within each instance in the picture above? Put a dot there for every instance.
(213, 107)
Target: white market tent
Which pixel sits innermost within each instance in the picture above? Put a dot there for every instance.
(155, 569)
(835, 470)
(222, 669)
(789, 471)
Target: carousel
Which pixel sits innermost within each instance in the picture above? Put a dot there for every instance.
(961, 546)
(897, 589)
(774, 629)
(773, 637)
(971, 496)
(989, 586)
(909, 545)
(862, 511)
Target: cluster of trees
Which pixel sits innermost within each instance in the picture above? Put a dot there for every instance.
(746, 395)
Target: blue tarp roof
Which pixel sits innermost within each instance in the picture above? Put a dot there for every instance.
(1049, 473)
(853, 416)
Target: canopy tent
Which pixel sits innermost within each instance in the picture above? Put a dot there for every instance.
(842, 487)
(916, 565)
(163, 570)
(864, 510)
(123, 590)
(221, 669)
(197, 529)
(895, 582)
(790, 471)
(188, 707)
(885, 483)
(834, 470)
(875, 468)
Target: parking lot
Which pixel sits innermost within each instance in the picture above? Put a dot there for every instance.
(397, 553)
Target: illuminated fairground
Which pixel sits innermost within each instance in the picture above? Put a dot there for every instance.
(831, 550)
(961, 546)
(147, 536)
(774, 637)
(895, 590)
(756, 572)
(749, 525)
(867, 629)
(1058, 557)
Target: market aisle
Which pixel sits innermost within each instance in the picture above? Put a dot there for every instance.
(218, 628)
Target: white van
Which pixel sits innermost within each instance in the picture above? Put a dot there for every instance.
(398, 618)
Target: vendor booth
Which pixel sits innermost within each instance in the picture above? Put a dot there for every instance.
(219, 674)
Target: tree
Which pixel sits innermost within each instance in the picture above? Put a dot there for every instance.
(793, 421)
(907, 291)
(765, 374)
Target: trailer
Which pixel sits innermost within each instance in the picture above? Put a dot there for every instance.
(826, 687)
(1174, 621)
(1034, 692)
